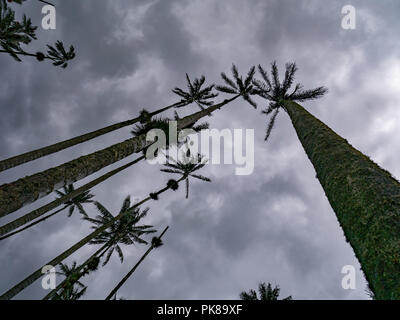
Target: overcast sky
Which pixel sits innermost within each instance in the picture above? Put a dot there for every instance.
(274, 225)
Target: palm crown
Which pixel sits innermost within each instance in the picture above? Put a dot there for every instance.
(277, 92)
(265, 293)
(186, 167)
(238, 86)
(196, 94)
(70, 292)
(123, 231)
(78, 201)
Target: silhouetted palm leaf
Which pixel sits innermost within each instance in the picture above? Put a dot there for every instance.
(238, 86)
(195, 93)
(185, 167)
(78, 201)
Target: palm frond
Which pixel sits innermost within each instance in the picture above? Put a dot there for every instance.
(271, 124)
(309, 94)
(201, 177)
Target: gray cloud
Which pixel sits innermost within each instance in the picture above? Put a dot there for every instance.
(275, 225)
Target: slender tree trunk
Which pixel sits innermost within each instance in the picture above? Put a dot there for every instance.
(365, 198)
(119, 285)
(54, 204)
(34, 223)
(38, 153)
(19, 193)
(38, 273)
(61, 285)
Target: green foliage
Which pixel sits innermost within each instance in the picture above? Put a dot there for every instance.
(78, 201)
(238, 86)
(59, 55)
(70, 290)
(123, 231)
(266, 292)
(14, 33)
(277, 92)
(156, 123)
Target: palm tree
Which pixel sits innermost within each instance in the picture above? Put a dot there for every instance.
(265, 293)
(364, 196)
(76, 202)
(156, 242)
(65, 198)
(13, 34)
(171, 185)
(70, 292)
(123, 231)
(186, 167)
(26, 190)
(198, 95)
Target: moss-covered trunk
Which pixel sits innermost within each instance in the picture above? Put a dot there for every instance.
(11, 226)
(17, 194)
(38, 153)
(365, 198)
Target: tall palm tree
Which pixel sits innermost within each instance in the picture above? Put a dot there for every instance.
(171, 185)
(140, 129)
(75, 202)
(26, 190)
(185, 167)
(265, 293)
(156, 242)
(364, 196)
(5, 229)
(124, 231)
(198, 95)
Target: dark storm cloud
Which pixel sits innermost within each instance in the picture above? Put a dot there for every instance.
(275, 225)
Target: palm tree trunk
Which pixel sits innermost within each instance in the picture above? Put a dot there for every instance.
(38, 273)
(19, 193)
(34, 223)
(38, 153)
(54, 204)
(365, 198)
(119, 285)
